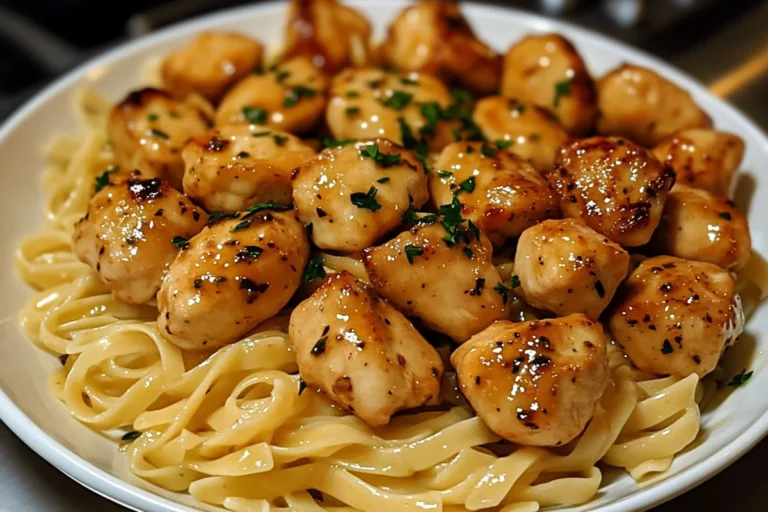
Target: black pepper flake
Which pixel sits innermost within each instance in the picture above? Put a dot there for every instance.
(531, 425)
(320, 212)
(435, 372)
(600, 289)
(517, 363)
(478, 289)
(541, 361)
(477, 379)
(63, 359)
(319, 347)
(195, 215)
(302, 386)
(724, 215)
(198, 283)
(253, 289)
(666, 347)
(697, 359)
(708, 318)
(666, 287)
(326, 329)
(159, 213)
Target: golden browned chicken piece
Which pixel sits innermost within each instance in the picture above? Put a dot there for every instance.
(616, 186)
(404, 108)
(546, 70)
(232, 276)
(525, 130)
(363, 353)
(433, 37)
(535, 383)
(698, 225)
(289, 97)
(703, 158)
(210, 64)
(235, 166)
(645, 107)
(566, 267)
(501, 192)
(327, 33)
(149, 128)
(442, 273)
(132, 231)
(355, 194)
(676, 317)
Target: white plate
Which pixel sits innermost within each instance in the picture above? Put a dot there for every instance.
(728, 431)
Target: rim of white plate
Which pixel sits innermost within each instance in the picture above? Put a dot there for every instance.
(126, 494)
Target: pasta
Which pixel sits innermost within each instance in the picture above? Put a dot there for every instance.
(237, 428)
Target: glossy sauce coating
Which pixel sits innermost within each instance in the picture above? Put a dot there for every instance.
(616, 186)
(362, 352)
(233, 276)
(535, 383)
(675, 317)
(233, 167)
(128, 234)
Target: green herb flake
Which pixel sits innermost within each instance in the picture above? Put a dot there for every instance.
(269, 205)
(315, 270)
(180, 242)
(383, 180)
(516, 106)
(432, 113)
(255, 115)
(152, 117)
(103, 179)
(666, 347)
(535, 137)
(562, 88)
(740, 379)
(240, 226)
(487, 151)
(515, 282)
(502, 144)
(411, 251)
(249, 252)
(366, 200)
(408, 81)
(280, 140)
(337, 143)
(260, 134)
(302, 386)
(470, 149)
(352, 94)
(131, 436)
(159, 133)
(410, 142)
(468, 252)
(502, 290)
(444, 174)
(280, 76)
(375, 84)
(372, 151)
(352, 111)
(295, 95)
(468, 185)
(398, 100)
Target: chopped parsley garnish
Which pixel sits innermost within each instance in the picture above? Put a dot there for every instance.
(408, 81)
(487, 151)
(241, 226)
(352, 94)
(516, 106)
(215, 217)
(375, 84)
(260, 134)
(282, 75)
(412, 251)
(280, 140)
(152, 117)
(432, 113)
(468, 185)
(470, 149)
(255, 115)
(409, 217)
(452, 223)
(444, 174)
(562, 88)
(180, 242)
(383, 180)
(352, 111)
(252, 289)
(372, 151)
(315, 270)
(249, 252)
(410, 142)
(515, 282)
(131, 436)
(740, 379)
(295, 95)
(724, 215)
(461, 97)
(502, 144)
(103, 179)
(366, 200)
(478, 289)
(502, 290)
(468, 252)
(337, 143)
(398, 100)
(159, 133)
(534, 137)
(243, 154)
(666, 347)
(269, 205)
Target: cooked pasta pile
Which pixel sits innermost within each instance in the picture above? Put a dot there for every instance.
(236, 428)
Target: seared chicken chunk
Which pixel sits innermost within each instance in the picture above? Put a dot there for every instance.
(232, 276)
(703, 158)
(566, 267)
(676, 317)
(443, 276)
(546, 70)
(616, 186)
(645, 107)
(288, 97)
(500, 191)
(433, 37)
(355, 194)
(327, 33)
(362, 352)
(697, 225)
(210, 64)
(525, 130)
(235, 166)
(369, 103)
(131, 233)
(149, 128)
(535, 383)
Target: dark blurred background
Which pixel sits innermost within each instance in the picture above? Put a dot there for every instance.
(722, 42)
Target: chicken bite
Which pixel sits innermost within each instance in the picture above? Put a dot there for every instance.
(500, 191)
(149, 128)
(616, 186)
(233, 167)
(703, 158)
(546, 70)
(231, 277)
(535, 383)
(433, 37)
(362, 352)
(355, 194)
(566, 267)
(442, 273)
(700, 226)
(645, 107)
(289, 97)
(327, 33)
(676, 317)
(525, 130)
(131, 233)
(210, 64)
